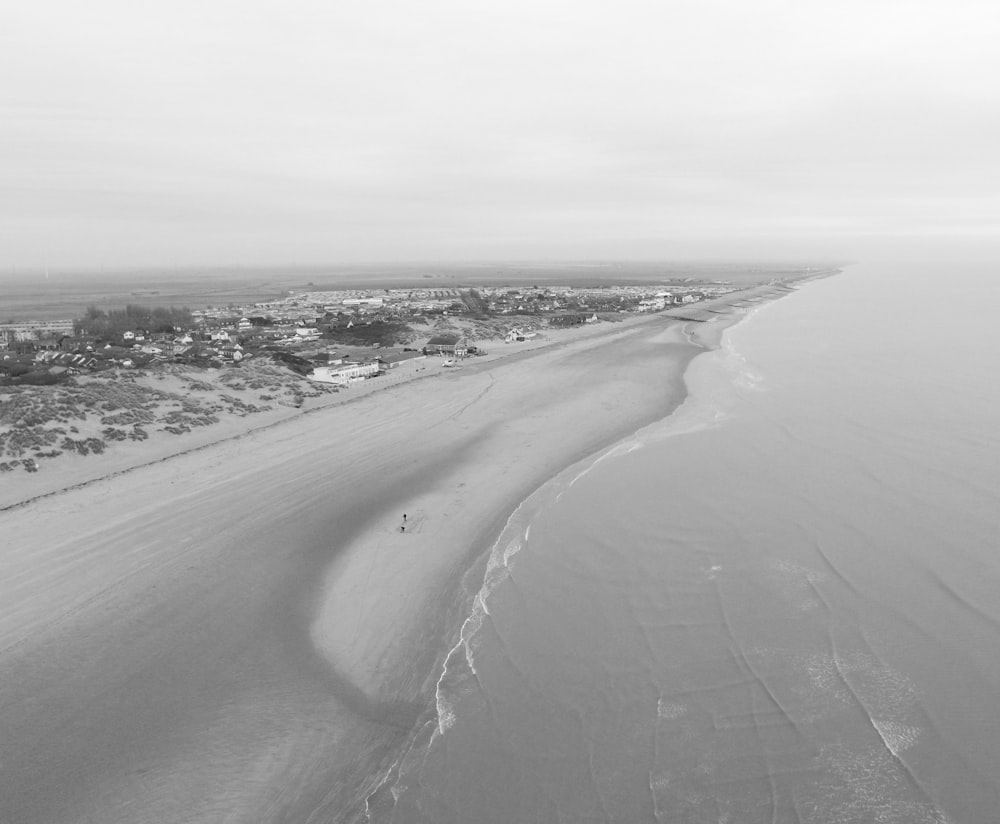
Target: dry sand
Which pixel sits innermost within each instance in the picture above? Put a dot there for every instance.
(243, 632)
(284, 397)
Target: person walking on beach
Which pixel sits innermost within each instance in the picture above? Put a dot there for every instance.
(404, 517)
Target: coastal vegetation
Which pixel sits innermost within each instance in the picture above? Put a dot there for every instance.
(113, 323)
(382, 332)
(86, 415)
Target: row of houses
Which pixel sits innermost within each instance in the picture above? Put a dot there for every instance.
(34, 330)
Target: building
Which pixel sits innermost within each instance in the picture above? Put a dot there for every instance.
(569, 318)
(519, 334)
(454, 345)
(345, 373)
(390, 360)
(35, 329)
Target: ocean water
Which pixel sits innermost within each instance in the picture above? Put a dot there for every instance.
(781, 604)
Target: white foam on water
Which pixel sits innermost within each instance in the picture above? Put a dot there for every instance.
(371, 794)
(896, 737)
(883, 691)
(695, 414)
(869, 785)
(825, 682)
(722, 372)
(797, 571)
(497, 571)
(798, 583)
(619, 449)
(445, 708)
(669, 710)
(736, 365)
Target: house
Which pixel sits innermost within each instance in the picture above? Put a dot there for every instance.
(569, 318)
(447, 345)
(71, 344)
(390, 360)
(518, 334)
(227, 350)
(47, 342)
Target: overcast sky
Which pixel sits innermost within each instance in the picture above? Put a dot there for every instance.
(200, 131)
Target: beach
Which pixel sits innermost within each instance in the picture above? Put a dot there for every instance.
(245, 631)
(775, 605)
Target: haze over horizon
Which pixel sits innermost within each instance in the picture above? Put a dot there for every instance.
(255, 133)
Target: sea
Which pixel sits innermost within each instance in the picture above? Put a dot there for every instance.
(779, 604)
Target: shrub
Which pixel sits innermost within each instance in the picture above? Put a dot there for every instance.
(40, 379)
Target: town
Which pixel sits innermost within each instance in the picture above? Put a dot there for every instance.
(337, 337)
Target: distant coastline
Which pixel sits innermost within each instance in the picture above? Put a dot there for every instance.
(174, 410)
(31, 293)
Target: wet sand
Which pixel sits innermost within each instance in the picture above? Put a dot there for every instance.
(243, 632)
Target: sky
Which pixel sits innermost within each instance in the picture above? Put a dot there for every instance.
(218, 132)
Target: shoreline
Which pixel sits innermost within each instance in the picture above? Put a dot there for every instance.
(187, 592)
(450, 630)
(124, 458)
(79, 471)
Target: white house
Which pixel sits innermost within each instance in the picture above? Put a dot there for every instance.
(519, 334)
